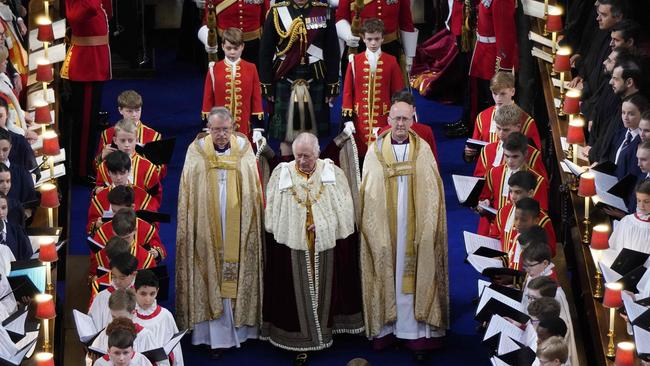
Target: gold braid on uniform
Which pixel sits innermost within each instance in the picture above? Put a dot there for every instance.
(296, 31)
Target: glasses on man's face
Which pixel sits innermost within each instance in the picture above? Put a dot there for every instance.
(221, 130)
(401, 119)
(531, 298)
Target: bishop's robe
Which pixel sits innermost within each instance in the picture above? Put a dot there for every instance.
(311, 278)
(403, 241)
(219, 243)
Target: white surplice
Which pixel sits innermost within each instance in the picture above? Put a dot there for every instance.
(406, 327)
(162, 324)
(137, 360)
(222, 333)
(144, 341)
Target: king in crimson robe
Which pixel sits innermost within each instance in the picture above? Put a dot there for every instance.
(404, 243)
(219, 243)
(311, 278)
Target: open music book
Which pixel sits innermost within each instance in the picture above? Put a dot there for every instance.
(468, 189)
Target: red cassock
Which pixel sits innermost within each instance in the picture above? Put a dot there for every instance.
(497, 37)
(143, 173)
(366, 95)
(247, 15)
(144, 134)
(242, 95)
(145, 259)
(507, 235)
(489, 152)
(99, 204)
(89, 57)
(495, 183)
(146, 236)
(484, 122)
(396, 15)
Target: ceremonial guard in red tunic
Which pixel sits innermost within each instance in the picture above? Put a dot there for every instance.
(87, 65)
(399, 33)
(299, 68)
(246, 15)
(369, 84)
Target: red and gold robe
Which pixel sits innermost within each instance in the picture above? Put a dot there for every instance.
(144, 174)
(483, 129)
(146, 236)
(241, 93)
(246, 15)
(144, 134)
(396, 15)
(506, 231)
(489, 154)
(99, 204)
(366, 95)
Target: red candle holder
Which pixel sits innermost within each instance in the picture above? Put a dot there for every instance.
(554, 21)
(44, 72)
(42, 114)
(624, 354)
(600, 237)
(587, 186)
(51, 144)
(45, 31)
(562, 60)
(44, 359)
(45, 306)
(613, 299)
(49, 196)
(47, 252)
(572, 101)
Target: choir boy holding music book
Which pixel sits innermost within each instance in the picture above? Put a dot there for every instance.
(527, 214)
(123, 270)
(114, 247)
(153, 316)
(633, 231)
(121, 304)
(496, 190)
(108, 200)
(121, 343)
(502, 86)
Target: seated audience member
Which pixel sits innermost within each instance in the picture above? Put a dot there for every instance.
(553, 352)
(123, 270)
(121, 343)
(126, 225)
(121, 305)
(625, 142)
(13, 235)
(633, 230)
(114, 247)
(129, 105)
(21, 151)
(521, 185)
(16, 212)
(507, 120)
(495, 191)
(126, 166)
(22, 187)
(502, 86)
(112, 199)
(152, 316)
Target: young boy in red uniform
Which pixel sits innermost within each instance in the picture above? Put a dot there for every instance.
(234, 83)
(112, 199)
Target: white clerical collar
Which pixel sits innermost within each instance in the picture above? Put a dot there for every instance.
(146, 312)
(4, 228)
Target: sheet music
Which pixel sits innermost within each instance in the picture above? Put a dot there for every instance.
(496, 361)
(633, 309)
(17, 325)
(27, 343)
(536, 8)
(57, 158)
(609, 275)
(85, 326)
(542, 55)
(56, 54)
(506, 345)
(464, 185)
(173, 342)
(641, 340)
(489, 293)
(499, 325)
(644, 283)
(573, 168)
(482, 284)
(538, 38)
(58, 28)
(556, 102)
(474, 241)
(603, 181)
(59, 171)
(492, 210)
(37, 95)
(609, 199)
(481, 263)
(477, 142)
(556, 83)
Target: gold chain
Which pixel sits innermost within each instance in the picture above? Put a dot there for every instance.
(302, 202)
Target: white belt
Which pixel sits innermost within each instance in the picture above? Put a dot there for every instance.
(484, 39)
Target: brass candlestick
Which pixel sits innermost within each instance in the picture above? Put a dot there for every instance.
(598, 291)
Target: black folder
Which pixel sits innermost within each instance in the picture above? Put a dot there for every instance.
(624, 186)
(512, 293)
(628, 260)
(524, 356)
(607, 167)
(489, 252)
(22, 286)
(632, 278)
(494, 306)
(158, 152)
(160, 354)
(497, 271)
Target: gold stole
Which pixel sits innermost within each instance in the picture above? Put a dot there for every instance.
(393, 169)
(230, 163)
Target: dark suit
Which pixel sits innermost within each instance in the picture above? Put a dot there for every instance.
(18, 242)
(627, 162)
(22, 185)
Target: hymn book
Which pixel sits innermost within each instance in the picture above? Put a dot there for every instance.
(468, 189)
(85, 327)
(162, 353)
(499, 327)
(13, 353)
(637, 314)
(158, 152)
(476, 144)
(642, 342)
(494, 303)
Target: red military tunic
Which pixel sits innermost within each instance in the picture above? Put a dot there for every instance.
(99, 204)
(496, 190)
(89, 57)
(143, 174)
(247, 15)
(241, 93)
(396, 15)
(144, 134)
(366, 95)
(146, 236)
(507, 232)
(484, 128)
(489, 155)
(100, 259)
(497, 37)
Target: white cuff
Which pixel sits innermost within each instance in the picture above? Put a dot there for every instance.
(343, 29)
(203, 35)
(409, 42)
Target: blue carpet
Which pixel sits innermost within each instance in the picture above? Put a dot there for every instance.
(172, 103)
